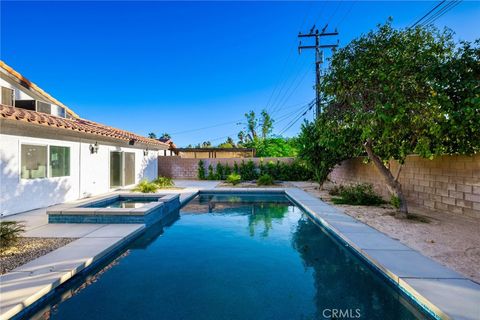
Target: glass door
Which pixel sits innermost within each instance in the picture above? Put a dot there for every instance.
(116, 169)
(129, 168)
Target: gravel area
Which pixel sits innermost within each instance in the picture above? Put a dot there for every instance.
(28, 249)
(452, 240)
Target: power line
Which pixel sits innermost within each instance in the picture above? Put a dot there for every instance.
(346, 14)
(427, 14)
(302, 113)
(286, 98)
(441, 12)
(267, 106)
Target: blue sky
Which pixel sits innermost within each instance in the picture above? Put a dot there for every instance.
(179, 66)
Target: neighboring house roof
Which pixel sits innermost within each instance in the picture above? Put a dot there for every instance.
(77, 124)
(32, 86)
(168, 141)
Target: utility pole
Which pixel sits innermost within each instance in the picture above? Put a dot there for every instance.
(318, 57)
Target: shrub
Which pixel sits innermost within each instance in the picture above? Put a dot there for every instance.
(395, 201)
(220, 172)
(248, 170)
(360, 194)
(265, 180)
(211, 174)
(335, 191)
(164, 182)
(234, 178)
(146, 187)
(235, 168)
(10, 231)
(201, 170)
(227, 171)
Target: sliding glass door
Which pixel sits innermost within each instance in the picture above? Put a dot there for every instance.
(116, 169)
(122, 169)
(129, 168)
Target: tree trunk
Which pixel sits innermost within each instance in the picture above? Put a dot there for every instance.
(393, 185)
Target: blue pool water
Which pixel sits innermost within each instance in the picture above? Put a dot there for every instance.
(123, 202)
(232, 257)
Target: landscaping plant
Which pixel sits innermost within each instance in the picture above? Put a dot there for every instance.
(201, 170)
(10, 231)
(164, 182)
(265, 180)
(145, 186)
(234, 179)
(359, 194)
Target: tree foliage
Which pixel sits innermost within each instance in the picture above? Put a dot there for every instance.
(395, 93)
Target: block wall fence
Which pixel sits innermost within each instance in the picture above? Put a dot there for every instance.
(186, 168)
(449, 184)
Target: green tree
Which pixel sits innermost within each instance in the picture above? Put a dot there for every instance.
(327, 141)
(252, 124)
(165, 136)
(386, 84)
(458, 88)
(152, 135)
(266, 124)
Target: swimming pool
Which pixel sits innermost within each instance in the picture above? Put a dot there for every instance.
(233, 256)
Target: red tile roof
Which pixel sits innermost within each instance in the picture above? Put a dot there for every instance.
(77, 124)
(32, 86)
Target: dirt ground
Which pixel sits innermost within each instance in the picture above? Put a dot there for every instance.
(452, 240)
(27, 249)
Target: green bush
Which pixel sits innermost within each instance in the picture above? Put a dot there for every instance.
(164, 182)
(211, 173)
(395, 201)
(145, 186)
(265, 180)
(227, 171)
(359, 194)
(235, 168)
(335, 191)
(10, 231)
(220, 172)
(234, 178)
(201, 170)
(248, 170)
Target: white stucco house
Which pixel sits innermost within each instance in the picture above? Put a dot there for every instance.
(49, 155)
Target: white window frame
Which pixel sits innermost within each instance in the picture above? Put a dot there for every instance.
(48, 175)
(13, 95)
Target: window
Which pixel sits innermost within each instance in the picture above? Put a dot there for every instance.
(59, 161)
(44, 107)
(7, 96)
(34, 161)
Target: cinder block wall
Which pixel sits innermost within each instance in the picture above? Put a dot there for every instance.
(184, 168)
(449, 183)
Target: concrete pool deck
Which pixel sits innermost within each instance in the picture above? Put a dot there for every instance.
(444, 292)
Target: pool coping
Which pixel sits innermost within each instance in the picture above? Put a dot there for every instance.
(438, 290)
(29, 284)
(424, 282)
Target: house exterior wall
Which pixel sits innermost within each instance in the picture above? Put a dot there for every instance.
(89, 173)
(449, 184)
(21, 94)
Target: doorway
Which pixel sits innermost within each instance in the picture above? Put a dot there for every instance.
(122, 168)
